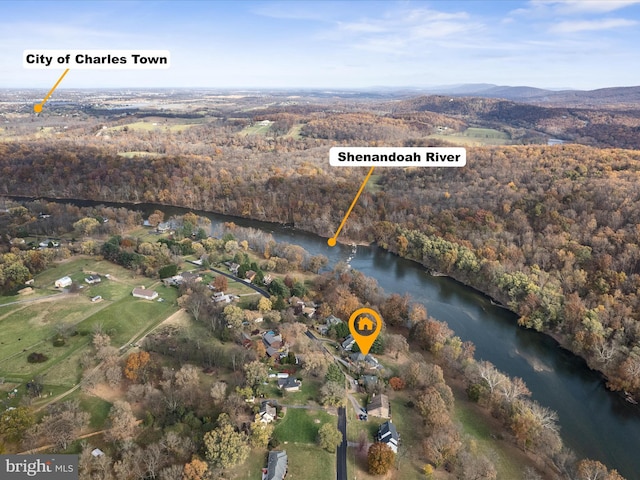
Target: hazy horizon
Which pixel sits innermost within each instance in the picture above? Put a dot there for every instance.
(341, 45)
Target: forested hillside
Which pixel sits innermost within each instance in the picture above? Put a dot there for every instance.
(551, 231)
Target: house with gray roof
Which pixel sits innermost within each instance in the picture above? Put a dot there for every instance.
(388, 434)
(348, 343)
(267, 412)
(289, 384)
(277, 465)
(379, 406)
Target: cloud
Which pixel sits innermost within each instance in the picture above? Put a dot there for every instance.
(573, 26)
(570, 8)
(406, 30)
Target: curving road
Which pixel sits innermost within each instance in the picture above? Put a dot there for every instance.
(261, 291)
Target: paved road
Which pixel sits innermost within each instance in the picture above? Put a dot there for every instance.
(341, 454)
(262, 292)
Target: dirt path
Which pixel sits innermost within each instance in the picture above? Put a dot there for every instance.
(47, 447)
(175, 317)
(46, 298)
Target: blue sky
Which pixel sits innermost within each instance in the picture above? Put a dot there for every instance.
(583, 44)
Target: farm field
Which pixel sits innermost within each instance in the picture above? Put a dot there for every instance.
(256, 129)
(135, 154)
(31, 326)
(150, 125)
(475, 136)
(295, 132)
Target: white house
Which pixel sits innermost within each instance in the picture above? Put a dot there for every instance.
(63, 282)
(267, 413)
(141, 292)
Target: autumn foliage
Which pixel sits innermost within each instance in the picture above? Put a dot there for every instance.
(136, 365)
(380, 458)
(396, 383)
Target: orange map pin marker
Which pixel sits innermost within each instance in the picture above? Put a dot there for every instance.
(365, 325)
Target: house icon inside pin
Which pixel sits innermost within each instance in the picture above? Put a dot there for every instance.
(365, 324)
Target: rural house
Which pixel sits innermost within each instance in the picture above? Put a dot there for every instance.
(289, 384)
(141, 292)
(348, 343)
(368, 361)
(267, 412)
(388, 434)
(272, 340)
(379, 406)
(277, 465)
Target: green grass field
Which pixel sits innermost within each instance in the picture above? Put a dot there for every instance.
(98, 408)
(139, 154)
(409, 461)
(308, 462)
(301, 426)
(480, 432)
(474, 132)
(147, 126)
(373, 185)
(130, 317)
(294, 132)
(30, 327)
(252, 468)
(475, 136)
(256, 129)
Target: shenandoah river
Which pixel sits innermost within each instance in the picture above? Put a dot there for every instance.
(595, 422)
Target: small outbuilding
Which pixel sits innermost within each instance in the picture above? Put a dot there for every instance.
(63, 282)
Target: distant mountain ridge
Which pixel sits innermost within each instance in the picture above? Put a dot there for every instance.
(576, 98)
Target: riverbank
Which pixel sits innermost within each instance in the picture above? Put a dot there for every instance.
(588, 413)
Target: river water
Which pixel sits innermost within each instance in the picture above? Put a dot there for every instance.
(595, 422)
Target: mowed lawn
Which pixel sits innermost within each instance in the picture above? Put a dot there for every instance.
(148, 126)
(301, 425)
(256, 129)
(30, 327)
(308, 462)
(129, 317)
